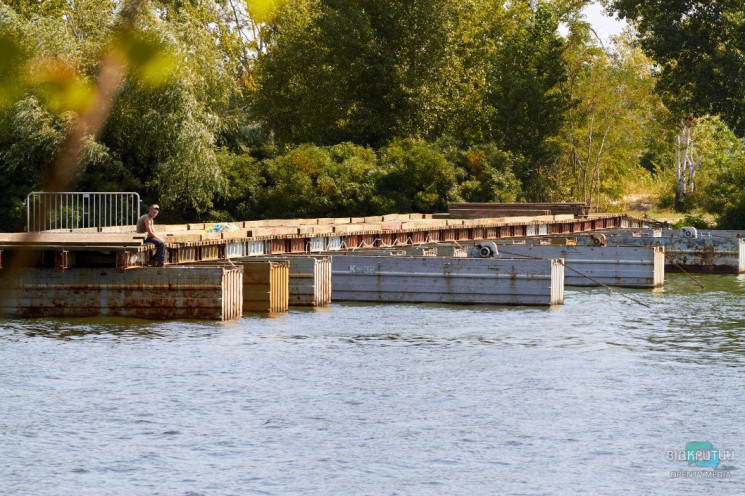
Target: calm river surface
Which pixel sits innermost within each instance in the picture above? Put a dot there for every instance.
(590, 398)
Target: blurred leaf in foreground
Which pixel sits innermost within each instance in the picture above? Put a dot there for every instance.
(60, 85)
(150, 61)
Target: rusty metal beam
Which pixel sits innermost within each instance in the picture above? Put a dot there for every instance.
(61, 259)
(122, 260)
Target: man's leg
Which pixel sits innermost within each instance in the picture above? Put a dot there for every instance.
(160, 251)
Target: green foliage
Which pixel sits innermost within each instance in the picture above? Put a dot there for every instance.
(244, 182)
(733, 216)
(490, 175)
(724, 197)
(351, 180)
(605, 133)
(377, 72)
(170, 146)
(692, 221)
(418, 178)
(720, 153)
(239, 109)
(101, 170)
(698, 47)
(30, 138)
(523, 98)
(367, 71)
(312, 181)
(12, 57)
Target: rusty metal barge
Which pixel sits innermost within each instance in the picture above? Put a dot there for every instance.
(103, 270)
(688, 249)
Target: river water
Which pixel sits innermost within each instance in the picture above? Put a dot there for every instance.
(593, 397)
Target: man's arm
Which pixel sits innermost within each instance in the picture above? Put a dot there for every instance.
(149, 228)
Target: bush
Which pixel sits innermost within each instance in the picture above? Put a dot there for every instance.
(733, 215)
(666, 201)
(725, 198)
(314, 181)
(417, 177)
(692, 221)
(489, 175)
(241, 200)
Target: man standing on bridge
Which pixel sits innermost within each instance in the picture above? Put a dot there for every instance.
(146, 224)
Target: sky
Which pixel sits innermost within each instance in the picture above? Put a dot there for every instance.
(605, 26)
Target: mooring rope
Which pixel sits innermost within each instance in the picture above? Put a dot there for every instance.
(676, 264)
(612, 290)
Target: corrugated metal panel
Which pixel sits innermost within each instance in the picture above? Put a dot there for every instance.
(558, 277)
(210, 252)
(280, 276)
(333, 243)
(256, 248)
(297, 245)
(206, 293)
(418, 237)
(277, 246)
(530, 230)
(447, 280)
(638, 267)
(265, 286)
(323, 274)
(303, 283)
(317, 244)
(310, 279)
(659, 266)
(543, 229)
(232, 293)
(235, 250)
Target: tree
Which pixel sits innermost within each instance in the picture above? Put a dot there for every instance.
(604, 133)
(525, 70)
(698, 47)
(707, 154)
(179, 110)
(489, 175)
(417, 177)
(719, 185)
(366, 72)
(44, 89)
(313, 181)
(687, 161)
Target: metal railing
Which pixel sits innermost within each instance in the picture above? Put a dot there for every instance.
(67, 211)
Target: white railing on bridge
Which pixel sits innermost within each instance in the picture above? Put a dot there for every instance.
(68, 211)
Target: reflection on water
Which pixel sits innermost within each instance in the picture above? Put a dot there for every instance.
(106, 328)
(381, 399)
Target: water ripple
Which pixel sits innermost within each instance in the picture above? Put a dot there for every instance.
(380, 399)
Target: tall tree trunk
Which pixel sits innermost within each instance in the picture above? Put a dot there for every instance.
(679, 171)
(685, 163)
(692, 175)
(585, 197)
(595, 178)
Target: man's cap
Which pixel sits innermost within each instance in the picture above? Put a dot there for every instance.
(155, 206)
